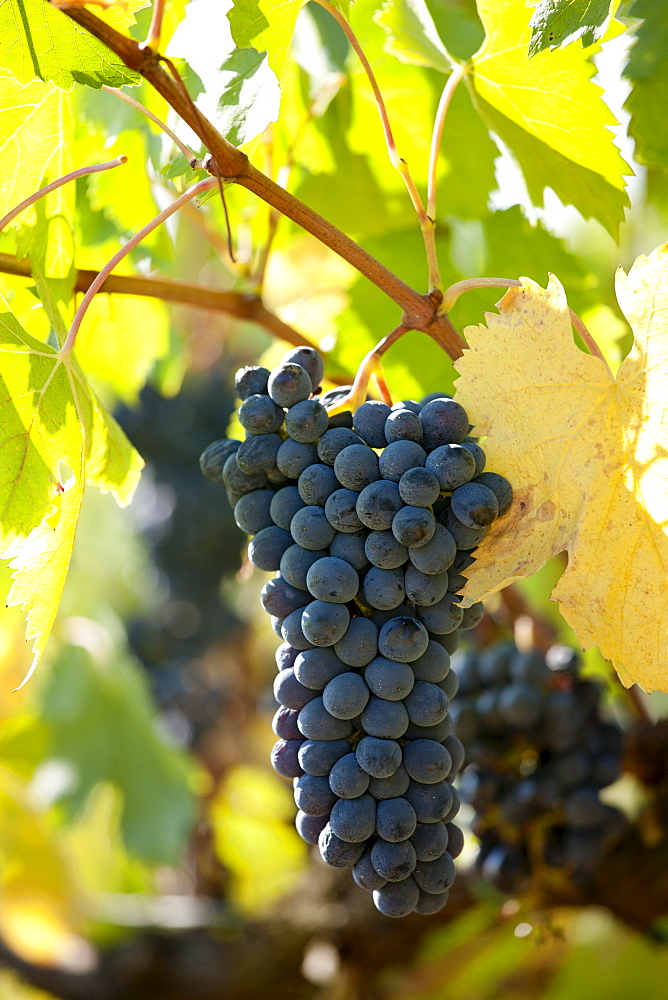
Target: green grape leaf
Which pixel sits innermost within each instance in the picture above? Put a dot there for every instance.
(412, 35)
(54, 437)
(37, 40)
(38, 117)
(268, 26)
(648, 71)
(559, 22)
(549, 114)
(100, 719)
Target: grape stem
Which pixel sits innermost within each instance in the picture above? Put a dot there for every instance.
(371, 365)
(427, 225)
(157, 14)
(188, 153)
(81, 172)
(421, 311)
(193, 192)
(439, 122)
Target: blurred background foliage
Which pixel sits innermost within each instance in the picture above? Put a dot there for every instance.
(146, 847)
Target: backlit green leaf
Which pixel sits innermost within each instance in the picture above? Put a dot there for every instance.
(558, 22)
(648, 70)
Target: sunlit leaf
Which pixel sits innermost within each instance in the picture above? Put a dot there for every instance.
(412, 35)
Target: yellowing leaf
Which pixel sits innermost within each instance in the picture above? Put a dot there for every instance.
(54, 436)
(549, 113)
(586, 454)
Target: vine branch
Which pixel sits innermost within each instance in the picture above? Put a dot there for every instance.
(420, 311)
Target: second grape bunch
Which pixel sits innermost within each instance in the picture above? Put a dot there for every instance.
(368, 521)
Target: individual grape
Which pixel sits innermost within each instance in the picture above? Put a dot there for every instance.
(437, 555)
(403, 639)
(423, 589)
(403, 425)
(433, 665)
(359, 645)
(378, 503)
(369, 422)
(395, 820)
(347, 779)
(310, 827)
(252, 511)
(479, 456)
(313, 796)
(288, 691)
(280, 599)
(316, 483)
(443, 617)
(258, 453)
(520, 705)
(384, 719)
(450, 685)
(311, 529)
(331, 579)
(439, 732)
(251, 381)
(233, 497)
(455, 840)
(365, 875)
(315, 668)
(426, 704)
(390, 788)
(341, 511)
(500, 486)
(306, 421)
(284, 758)
(353, 820)
(389, 679)
(289, 384)
(393, 861)
(399, 457)
(310, 360)
(284, 724)
(213, 458)
(384, 551)
(294, 456)
(397, 899)
(285, 656)
(336, 852)
(378, 757)
(465, 538)
(433, 395)
(413, 526)
(419, 487)
(315, 722)
(241, 482)
(335, 440)
(296, 562)
(356, 467)
(346, 696)
(260, 415)
(404, 610)
(452, 464)
(291, 631)
(431, 902)
(472, 616)
(583, 808)
(427, 761)
(323, 624)
(266, 548)
(383, 588)
(430, 840)
(276, 477)
(318, 757)
(435, 876)
(474, 505)
(431, 802)
(277, 626)
(284, 505)
(444, 422)
(351, 547)
(407, 404)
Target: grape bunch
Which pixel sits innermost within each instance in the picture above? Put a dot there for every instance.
(368, 521)
(538, 752)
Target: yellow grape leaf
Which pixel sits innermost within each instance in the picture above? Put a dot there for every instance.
(54, 437)
(586, 455)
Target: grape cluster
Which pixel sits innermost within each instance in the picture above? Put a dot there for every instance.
(368, 521)
(538, 753)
